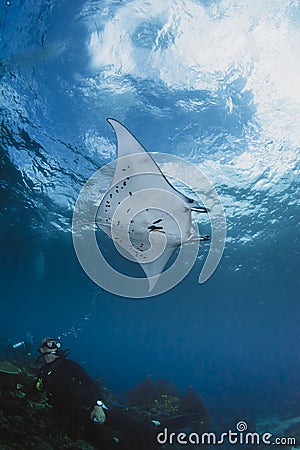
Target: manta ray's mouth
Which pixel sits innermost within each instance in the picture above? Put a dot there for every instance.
(155, 228)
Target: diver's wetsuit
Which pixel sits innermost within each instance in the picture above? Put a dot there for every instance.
(70, 385)
(73, 391)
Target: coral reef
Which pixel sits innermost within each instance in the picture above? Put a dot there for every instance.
(191, 402)
(8, 367)
(168, 403)
(147, 393)
(162, 401)
(28, 420)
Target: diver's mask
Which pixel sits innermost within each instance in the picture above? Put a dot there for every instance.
(51, 344)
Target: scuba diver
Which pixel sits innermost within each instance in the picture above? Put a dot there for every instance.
(74, 392)
(67, 381)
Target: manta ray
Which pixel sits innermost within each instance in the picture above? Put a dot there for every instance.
(145, 216)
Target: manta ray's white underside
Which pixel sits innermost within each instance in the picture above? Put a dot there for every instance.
(146, 217)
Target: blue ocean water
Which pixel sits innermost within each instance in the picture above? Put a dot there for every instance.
(213, 82)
